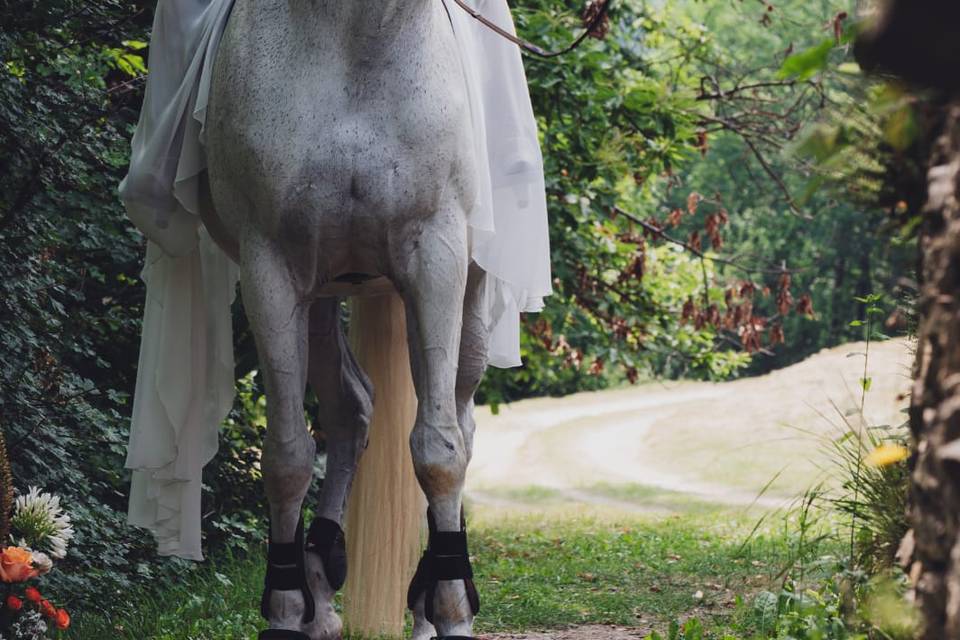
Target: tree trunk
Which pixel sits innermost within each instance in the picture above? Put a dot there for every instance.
(935, 403)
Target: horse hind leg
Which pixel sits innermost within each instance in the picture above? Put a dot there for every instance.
(345, 396)
(278, 319)
(431, 274)
(474, 347)
(474, 351)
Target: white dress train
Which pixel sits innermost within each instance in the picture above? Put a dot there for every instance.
(185, 381)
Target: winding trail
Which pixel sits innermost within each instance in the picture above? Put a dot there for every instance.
(655, 445)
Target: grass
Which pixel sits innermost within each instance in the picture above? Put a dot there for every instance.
(219, 602)
(542, 573)
(534, 572)
(629, 497)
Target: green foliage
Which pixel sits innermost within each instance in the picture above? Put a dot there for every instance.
(808, 63)
(692, 629)
(613, 127)
(648, 121)
(870, 490)
(233, 481)
(833, 241)
(862, 505)
(69, 298)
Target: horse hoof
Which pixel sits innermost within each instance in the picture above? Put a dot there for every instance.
(282, 634)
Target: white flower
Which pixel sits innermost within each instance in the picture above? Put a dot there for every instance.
(29, 626)
(42, 562)
(41, 522)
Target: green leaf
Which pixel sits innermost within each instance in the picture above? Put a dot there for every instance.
(901, 128)
(850, 68)
(808, 63)
(821, 142)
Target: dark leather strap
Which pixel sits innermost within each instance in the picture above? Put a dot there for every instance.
(286, 571)
(445, 558)
(282, 634)
(326, 539)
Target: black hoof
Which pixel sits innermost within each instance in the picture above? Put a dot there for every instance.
(282, 634)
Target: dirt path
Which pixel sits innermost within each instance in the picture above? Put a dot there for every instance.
(591, 632)
(718, 443)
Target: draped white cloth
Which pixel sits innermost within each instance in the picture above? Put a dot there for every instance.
(185, 381)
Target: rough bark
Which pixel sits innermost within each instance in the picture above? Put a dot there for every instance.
(916, 39)
(6, 492)
(935, 404)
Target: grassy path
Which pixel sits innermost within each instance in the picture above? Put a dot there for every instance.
(539, 572)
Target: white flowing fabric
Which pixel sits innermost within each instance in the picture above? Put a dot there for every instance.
(185, 382)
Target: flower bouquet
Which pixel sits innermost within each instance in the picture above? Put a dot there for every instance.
(40, 533)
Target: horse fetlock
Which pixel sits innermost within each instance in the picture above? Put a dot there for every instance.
(452, 611)
(286, 612)
(327, 624)
(422, 628)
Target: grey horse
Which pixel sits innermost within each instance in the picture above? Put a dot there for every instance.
(341, 162)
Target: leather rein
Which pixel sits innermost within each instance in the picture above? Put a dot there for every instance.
(593, 27)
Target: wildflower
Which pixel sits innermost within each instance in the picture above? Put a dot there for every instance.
(42, 563)
(886, 455)
(16, 565)
(33, 595)
(14, 603)
(29, 624)
(62, 619)
(39, 519)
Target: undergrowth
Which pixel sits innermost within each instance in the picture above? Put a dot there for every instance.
(859, 509)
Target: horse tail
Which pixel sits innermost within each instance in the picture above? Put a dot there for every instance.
(385, 512)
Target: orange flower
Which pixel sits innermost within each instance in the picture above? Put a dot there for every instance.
(48, 609)
(33, 595)
(16, 565)
(63, 619)
(14, 603)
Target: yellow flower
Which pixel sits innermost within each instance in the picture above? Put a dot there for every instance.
(887, 454)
